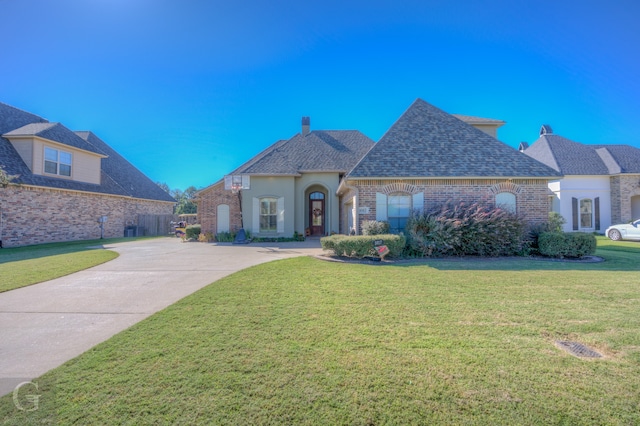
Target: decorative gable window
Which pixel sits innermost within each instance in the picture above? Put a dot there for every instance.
(506, 201)
(57, 162)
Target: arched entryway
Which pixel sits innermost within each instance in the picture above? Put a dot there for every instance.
(317, 215)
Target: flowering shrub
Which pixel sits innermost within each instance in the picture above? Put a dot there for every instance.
(456, 229)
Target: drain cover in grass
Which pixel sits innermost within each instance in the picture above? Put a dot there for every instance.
(578, 349)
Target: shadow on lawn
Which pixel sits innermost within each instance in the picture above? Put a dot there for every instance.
(53, 249)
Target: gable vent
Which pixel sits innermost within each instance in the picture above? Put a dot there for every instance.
(545, 130)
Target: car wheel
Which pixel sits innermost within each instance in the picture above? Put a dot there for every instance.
(615, 235)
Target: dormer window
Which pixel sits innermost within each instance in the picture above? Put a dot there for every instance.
(57, 162)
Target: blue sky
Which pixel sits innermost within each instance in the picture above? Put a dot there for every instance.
(187, 90)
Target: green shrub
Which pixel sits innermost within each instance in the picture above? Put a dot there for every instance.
(457, 229)
(192, 232)
(570, 244)
(360, 246)
(225, 237)
(375, 227)
(554, 224)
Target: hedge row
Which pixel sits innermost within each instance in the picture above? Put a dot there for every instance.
(559, 244)
(362, 245)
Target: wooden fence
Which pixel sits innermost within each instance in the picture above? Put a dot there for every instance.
(156, 224)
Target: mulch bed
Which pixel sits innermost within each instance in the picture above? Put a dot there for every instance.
(369, 261)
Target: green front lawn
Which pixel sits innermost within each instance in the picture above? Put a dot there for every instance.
(23, 266)
(303, 341)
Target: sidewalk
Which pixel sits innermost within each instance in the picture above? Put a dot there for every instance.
(44, 325)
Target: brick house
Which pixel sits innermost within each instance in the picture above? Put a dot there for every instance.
(600, 185)
(66, 181)
(428, 156)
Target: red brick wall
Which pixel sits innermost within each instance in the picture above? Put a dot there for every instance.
(532, 195)
(38, 215)
(208, 201)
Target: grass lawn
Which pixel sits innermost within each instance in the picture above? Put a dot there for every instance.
(303, 341)
(23, 266)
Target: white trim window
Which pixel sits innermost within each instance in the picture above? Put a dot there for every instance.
(57, 162)
(268, 214)
(398, 211)
(586, 213)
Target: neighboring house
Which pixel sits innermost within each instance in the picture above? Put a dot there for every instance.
(289, 187)
(601, 183)
(66, 182)
(321, 182)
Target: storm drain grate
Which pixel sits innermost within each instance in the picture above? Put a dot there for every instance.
(578, 349)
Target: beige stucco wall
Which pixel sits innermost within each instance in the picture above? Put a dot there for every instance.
(324, 182)
(32, 215)
(270, 186)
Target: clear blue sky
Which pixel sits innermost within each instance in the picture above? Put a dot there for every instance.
(187, 90)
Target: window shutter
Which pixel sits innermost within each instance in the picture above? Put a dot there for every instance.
(574, 213)
(381, 206)
(418, 202)
(246, 182)
(596, 213)
(280, 210)
(256, 215)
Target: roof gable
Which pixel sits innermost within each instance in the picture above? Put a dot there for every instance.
(428, 142)
(318, 151)
(54, 132)
(574, 158)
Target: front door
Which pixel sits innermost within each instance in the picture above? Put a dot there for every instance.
(316, 214)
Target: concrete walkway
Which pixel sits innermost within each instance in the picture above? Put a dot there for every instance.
(44, 325)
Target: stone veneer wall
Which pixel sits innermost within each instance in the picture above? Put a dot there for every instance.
(623, 187)
(208, 201)
(32, 215)
(532, 195)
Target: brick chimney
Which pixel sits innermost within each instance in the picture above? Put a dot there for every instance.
(306, 123)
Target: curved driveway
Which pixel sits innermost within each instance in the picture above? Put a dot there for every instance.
(44, 325)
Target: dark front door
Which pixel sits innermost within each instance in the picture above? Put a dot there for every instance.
(316, 213)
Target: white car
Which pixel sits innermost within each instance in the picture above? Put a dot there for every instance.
(627, 231)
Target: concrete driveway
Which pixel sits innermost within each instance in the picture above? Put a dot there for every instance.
(44, 325)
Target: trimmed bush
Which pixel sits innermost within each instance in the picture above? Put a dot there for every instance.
(361, 246)
(192, 232)
(375, 227)
(458, 229)
(569, 244)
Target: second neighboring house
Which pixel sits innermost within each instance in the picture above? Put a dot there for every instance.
(68, 185)
(321, 182)
(600, 185)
